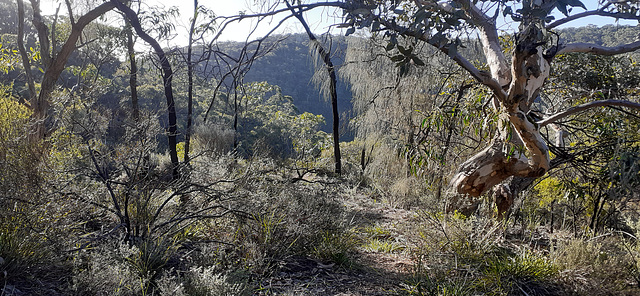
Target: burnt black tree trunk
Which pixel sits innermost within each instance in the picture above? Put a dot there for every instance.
(133, 75)
(167, 77)
(326, 58)
(187, 136)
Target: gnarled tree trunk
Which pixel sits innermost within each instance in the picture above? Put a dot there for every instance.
(496, 163)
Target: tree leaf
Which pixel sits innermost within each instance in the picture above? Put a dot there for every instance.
(574, 3)
(375, 26)
(390, 46)
(562, 7)
(507, 10)
(397, 58)
(453, 50)
(350, 31)
(417, 61)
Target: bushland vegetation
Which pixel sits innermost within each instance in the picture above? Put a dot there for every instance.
(94, 200)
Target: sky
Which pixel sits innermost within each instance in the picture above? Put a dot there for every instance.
(319, 20)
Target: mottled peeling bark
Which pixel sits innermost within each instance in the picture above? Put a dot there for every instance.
(496, 163)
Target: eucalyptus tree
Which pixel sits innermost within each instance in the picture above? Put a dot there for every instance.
(54, 58)
(514, 76)
(167, 77)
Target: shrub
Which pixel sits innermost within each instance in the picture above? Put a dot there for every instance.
(106, 271)
(527, 273)
(592, 266)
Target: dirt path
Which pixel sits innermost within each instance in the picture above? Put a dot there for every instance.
(372, 271)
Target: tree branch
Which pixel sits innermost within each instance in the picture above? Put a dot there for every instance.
(597, 49)
(167, 77)
(302, 8)
(586, 106)
(43, 34)
(55, 66)
(23, 53)
(490, 43)
(482, 76)
(326, 58)
(600, 12)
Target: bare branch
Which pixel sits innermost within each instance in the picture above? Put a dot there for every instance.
(586, 106)
(599, 50)
(490, 43)
(301, 8)
(600, 12)
(23, 52)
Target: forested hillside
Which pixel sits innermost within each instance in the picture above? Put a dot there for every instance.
(291, 66)
(467, 160)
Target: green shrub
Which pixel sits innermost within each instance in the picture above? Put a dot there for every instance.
(335, 246)
(528, 273)
(20, 250)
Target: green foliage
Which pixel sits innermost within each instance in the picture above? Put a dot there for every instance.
(467, 256)
(150, 256)
(496, 275)
(9, 57)
(20, 249)
(289, 67)
(207, 281)
(335, 246)
(549, 190)
(105, 270)
(382, 246)
(511, 275)
(606, 262)
(270, 121)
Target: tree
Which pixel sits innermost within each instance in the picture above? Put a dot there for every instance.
(133, 73)
(190, 66)
(515, 76)
(167, 78)
(26, 63)
(54, 61)
(333, 80)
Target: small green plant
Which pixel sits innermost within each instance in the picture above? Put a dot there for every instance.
(19, 249)
(382, 246)
(508, 275)
(206, 281)
(440, 287)
(105, 270)
(149, 257)
(438, 280)
(376, 232)
(336, 247)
